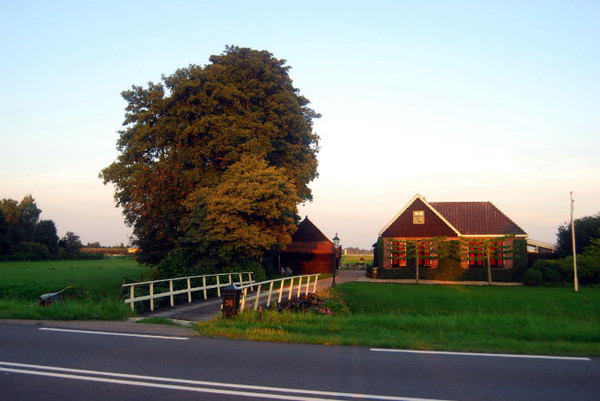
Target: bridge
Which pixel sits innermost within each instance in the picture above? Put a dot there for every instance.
(210, 307)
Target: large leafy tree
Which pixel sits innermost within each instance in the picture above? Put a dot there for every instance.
(4, 244)
(29, 215)
(182, 137)
(586, 229)
(45, 234)
(251, 210)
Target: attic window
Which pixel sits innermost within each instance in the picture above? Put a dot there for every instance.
(418, 217)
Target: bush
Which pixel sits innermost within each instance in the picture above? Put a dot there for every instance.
(588, 269)
(532, 278)
(552, 271)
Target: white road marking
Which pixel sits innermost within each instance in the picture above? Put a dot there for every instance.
(410, 351)
(108, 333)
(190, 385)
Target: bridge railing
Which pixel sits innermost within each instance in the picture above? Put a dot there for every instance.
(200, 283)
(279, 288)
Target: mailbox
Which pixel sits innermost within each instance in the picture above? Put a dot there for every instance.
(231, 300)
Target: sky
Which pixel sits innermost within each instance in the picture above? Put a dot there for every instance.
(454, 100)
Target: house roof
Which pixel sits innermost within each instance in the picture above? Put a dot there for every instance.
(477, 218)
(467, 218)
(308, 232)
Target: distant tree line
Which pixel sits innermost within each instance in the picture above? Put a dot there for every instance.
(24, 236)
(352, 250)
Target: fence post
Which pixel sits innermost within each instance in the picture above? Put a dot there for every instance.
(281, 290)
(204, 286)
(316, 280)
(152, 296)
(291, 288)
(243, 303)
(299, 287)
(171, 291)
(131, 295)
(257, 297)
(270, 293)
(218, 287)
(189, 284)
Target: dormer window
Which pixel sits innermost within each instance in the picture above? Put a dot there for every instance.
(418, 217)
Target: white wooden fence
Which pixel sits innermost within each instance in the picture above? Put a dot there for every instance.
(188, 289)
(295, 286)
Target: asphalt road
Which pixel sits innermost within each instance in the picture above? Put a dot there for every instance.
(73, 361)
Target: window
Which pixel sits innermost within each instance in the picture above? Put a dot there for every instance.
(425, 254)
(418, 217)
(475, 254)
(497, 254)
(478, 255)
(398, 254)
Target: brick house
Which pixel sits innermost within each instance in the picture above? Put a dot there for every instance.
(310, 251)
(448, 239)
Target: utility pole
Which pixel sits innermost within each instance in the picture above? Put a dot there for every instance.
(575, 280)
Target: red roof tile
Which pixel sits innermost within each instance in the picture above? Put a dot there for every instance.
(477, 218)
(308, 232)
(309, 239)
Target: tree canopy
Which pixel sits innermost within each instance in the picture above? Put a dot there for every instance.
(184, 148)
(23, 236)
(586, 229)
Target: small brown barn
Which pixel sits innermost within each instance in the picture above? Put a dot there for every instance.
(309, 252)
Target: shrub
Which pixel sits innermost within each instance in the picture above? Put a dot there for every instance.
(552, 271)
(532, 278)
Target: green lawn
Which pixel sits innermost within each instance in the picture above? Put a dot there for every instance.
(552, 321)
(355, 259)
(95, 286)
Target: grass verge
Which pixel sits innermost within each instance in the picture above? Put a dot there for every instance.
(95, 286)
(551, 321)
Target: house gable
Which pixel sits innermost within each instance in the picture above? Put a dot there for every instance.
(406, 224)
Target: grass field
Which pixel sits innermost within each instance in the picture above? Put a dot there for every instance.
(540, 320)
(354, 259)
(95, 286)
(553, 321)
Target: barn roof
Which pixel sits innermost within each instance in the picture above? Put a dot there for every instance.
(308, 232)
(309, 239)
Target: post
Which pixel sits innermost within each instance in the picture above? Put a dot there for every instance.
(291, 288)
(257, 297)
(131, 295)
(243, 303)
(171, 291)
(152, 297)
(270, 293)
(575, 279)
(189, 284)
(204, 286)
(281, 285)
(299, 287)
(218, 287)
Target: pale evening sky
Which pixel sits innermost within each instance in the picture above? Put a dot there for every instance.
(455, 100)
